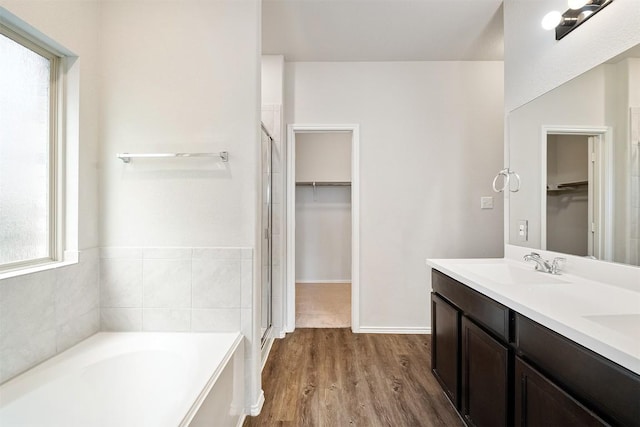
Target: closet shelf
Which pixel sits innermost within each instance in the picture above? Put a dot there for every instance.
(568, 186)
(324, 183)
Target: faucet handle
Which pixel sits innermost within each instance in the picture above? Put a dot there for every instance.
(557, 265)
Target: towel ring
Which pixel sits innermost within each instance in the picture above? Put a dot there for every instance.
(517, 182)
(506, 181)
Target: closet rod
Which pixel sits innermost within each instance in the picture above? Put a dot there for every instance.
(325, 183)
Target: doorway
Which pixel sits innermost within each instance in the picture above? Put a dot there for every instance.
(575, 201)
(322, 227)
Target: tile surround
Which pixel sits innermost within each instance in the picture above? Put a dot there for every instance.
(45, 313)
(123, 289)
(166, 283)
(180, 289)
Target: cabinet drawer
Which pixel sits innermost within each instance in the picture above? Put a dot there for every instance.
(539, 402)
(605, 387)
(490, 314)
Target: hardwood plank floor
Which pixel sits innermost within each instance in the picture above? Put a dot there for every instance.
(332, 377)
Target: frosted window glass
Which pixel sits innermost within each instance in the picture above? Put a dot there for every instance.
(24, 153)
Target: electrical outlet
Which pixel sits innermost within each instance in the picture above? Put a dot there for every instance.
(486, 202)
(523, 230)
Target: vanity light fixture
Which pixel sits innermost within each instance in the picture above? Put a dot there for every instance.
(578, 12)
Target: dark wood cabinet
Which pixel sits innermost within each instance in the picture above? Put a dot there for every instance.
(485, 377)
(501, 368)
(607, 388)
(445, 347)
(470, 353)
(539, 402)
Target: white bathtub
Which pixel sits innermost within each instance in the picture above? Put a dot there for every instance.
(132, 379)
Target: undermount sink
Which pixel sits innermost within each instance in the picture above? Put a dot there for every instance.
(511, 275)
(626, 324)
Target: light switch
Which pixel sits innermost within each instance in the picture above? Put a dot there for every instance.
(523, 230)
(486, 202)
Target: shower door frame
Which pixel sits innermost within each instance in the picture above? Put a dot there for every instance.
(290, 271)
(267, 234)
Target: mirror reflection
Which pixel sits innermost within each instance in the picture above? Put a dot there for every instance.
(577, 150)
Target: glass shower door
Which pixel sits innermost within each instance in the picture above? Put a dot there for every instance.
(267, 243)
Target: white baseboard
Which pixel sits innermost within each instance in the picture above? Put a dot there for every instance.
(392, 330)
(241, 420)
(257, 407)
(322, 281)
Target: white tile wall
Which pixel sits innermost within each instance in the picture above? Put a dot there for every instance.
(216, 283)
(121, 282)
(215, 319)
(44, 313)
(121, 319)
(166, 283)
(175, 289)
(166, 319)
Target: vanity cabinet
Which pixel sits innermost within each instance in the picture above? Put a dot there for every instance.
(485, 377)
(601, 385)
(470, 354)
(540, 402)
(500, 368)
(445, 347)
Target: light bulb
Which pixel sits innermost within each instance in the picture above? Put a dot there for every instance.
(551, 20)
(577, 4)
(583, 15)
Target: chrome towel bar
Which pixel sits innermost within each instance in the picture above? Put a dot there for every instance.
(126, 157)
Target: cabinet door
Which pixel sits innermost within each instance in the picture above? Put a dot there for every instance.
(445, 321)
(485, 377)
(539, 402)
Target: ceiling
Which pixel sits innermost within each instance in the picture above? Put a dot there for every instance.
(383, 30)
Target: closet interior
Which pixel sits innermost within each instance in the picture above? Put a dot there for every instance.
(568, 197)
(323, 229)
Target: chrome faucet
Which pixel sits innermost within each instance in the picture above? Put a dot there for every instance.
(552, 267)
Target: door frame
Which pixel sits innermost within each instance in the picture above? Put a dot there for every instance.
(290, 270)
(603, 191)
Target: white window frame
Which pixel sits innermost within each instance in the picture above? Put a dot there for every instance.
(63, 147)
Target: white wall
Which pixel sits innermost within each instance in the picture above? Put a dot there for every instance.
(323, 157)
(431, 141)
(536, 63)
(567, 159)
(272, 77)
(179, 77)
(323, 233)
(44, 313)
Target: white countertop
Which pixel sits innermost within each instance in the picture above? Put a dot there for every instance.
(600, 316)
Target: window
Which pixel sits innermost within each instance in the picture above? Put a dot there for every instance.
(29, 227)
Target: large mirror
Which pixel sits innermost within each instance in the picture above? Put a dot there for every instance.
(577, 151)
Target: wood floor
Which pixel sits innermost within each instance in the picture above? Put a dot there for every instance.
(323, 305)
(332, 377)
